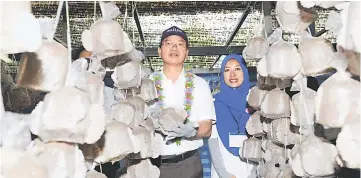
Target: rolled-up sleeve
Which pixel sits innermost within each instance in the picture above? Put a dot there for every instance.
(204, 101)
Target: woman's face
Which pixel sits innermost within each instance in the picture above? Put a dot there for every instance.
(233, 74)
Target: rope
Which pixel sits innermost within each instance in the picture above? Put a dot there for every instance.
(133, 9)
(264, 22)
(125, 15)
(58, 13)
(95, 11)
(68, 34)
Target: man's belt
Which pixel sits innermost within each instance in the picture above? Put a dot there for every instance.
(178, 158)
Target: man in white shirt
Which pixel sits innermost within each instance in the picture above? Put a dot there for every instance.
(183, 160)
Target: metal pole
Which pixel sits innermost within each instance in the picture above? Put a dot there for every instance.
(236, 29)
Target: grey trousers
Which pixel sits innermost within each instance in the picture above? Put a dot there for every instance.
(188, 168)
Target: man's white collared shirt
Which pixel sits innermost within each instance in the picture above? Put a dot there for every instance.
(202, 108)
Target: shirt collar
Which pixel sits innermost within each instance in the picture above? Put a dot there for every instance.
(180, 77)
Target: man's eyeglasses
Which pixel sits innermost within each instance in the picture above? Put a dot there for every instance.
(170, 45)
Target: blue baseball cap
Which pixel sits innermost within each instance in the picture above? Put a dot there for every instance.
(174, 30)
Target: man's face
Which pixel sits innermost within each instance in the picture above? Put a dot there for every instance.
(173, 50)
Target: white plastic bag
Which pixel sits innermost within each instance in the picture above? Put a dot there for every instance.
(123, 111)
(147, 90)
(318, 158)
(354, 27)
(67, 159)
(337, 97)
(315, 54)
(140, 110)
(15, 130)
(127, 75)
(303, 104)
(283, 60)
(256, 97)
(44, 70)
(20, 31)
(281, 132)
(76, 121)
(256, 48)
(12, 160)
(251, 149)
(254, 125)
(117, 143)
(293, 18)
(348, 142)
(276, 104)
(106, 37)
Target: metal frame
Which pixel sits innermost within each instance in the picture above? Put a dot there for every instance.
(321, 32)
(198, 51)
(140, 31)
(267, 10)
(312, 28)
(236, 29)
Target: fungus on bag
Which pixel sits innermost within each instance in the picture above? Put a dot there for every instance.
(46, 69)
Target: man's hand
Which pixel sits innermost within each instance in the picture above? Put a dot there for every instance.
(186, 130)
(234, 176)
(204, 129)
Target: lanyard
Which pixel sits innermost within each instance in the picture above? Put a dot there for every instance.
(237, 121)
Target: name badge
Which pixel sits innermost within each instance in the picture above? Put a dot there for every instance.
(236, 140)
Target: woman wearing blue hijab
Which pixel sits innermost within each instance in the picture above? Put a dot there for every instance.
(230, 130)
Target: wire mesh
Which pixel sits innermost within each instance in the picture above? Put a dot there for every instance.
(208, 23)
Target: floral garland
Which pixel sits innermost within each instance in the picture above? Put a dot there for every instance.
(188, 99)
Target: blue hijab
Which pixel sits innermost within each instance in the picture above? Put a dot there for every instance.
(230, 104)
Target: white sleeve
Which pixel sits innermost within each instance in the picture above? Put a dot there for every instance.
(204, 101)
(214, 132)
(216, 154)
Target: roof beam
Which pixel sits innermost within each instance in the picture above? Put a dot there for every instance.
(140, 31)
(137, 22)
(65, 30)
(235, 30)
(60, 41)
(321, 32)
(312, 28)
